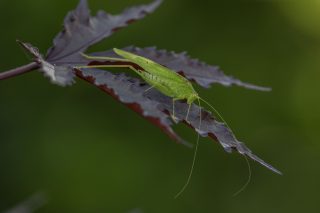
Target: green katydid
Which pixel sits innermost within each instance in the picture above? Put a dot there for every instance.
(161, 78)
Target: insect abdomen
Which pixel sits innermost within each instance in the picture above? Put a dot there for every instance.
(161, 84)
(168, 87)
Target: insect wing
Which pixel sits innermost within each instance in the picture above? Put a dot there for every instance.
(151, 66)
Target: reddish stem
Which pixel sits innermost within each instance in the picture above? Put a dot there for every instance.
(19, 70)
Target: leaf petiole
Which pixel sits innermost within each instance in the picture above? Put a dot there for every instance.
(19, 70)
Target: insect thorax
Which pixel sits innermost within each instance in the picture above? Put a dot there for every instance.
(192, 98)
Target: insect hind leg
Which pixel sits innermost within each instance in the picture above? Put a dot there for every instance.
(103, 58)
(106, 66)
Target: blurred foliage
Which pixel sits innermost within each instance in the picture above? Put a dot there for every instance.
(91, 154)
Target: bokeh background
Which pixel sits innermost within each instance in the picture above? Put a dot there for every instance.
(89, 153)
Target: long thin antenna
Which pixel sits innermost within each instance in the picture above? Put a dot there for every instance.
(194, 156)
(248, 181)
(249, 167)
(216, 112)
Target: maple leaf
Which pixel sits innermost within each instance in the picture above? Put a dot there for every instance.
(157, 108)
(81, 31)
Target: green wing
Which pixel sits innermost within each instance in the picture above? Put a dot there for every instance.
(151, 66)
(169, 86)
(165, 80)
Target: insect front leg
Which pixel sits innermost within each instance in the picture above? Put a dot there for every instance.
(174, 118)
(188, 113)
(148, 89)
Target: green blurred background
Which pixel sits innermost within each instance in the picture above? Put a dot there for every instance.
(91, 154)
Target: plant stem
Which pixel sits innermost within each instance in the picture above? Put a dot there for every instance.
(19, 70)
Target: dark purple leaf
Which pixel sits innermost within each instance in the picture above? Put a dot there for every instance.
(193, 69)
(82, 30)
(157, 108)
(61, 75)
(130, 92)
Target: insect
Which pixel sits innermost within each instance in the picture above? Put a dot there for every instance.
(161, 78)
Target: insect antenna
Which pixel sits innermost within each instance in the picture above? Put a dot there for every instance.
(248, 163)
(248, 180)
(194, 155)
(216, 112)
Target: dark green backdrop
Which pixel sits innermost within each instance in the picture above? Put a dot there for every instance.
(91, 154)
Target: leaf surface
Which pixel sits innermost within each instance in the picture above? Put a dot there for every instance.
(157, 108)
(80, 31)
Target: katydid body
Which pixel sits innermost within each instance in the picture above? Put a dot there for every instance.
(159, 77)
(163, 79)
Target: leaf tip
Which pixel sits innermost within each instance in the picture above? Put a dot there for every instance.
(262, 162)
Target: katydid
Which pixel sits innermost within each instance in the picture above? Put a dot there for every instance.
(163, 79)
